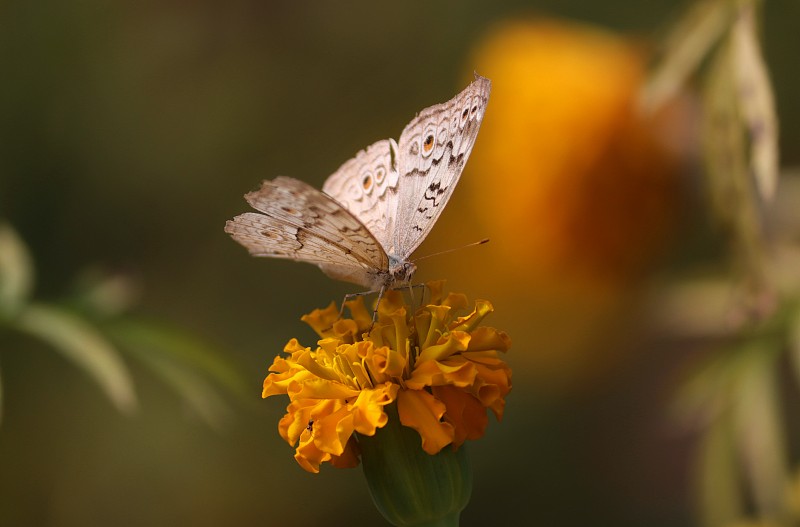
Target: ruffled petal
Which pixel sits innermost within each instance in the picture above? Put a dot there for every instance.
(456, 371)
(464, 412)
(316, 388)
(332, 431)
(279, 383)
(321, 320)
(449, 345)
(349, 458)
(423, 412)
(471, 321)
(485, 338)
(368, 412)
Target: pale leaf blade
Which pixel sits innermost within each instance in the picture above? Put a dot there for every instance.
(82, 344)
(756, 101)
(16, 270)
(181, 346)
(759, 429)
(1, 396)
(684, 49)
(718, 476)
(193, 389)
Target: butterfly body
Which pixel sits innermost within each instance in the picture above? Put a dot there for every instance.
(375, 210)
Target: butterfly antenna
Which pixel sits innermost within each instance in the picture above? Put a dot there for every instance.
(481, 242)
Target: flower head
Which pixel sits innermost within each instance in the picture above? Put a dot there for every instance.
(443, 371)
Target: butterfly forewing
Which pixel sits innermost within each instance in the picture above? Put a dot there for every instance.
(433, 150)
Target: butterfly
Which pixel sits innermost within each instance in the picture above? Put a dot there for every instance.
(374, 211)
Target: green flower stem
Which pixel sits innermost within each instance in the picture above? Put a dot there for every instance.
(410, 487)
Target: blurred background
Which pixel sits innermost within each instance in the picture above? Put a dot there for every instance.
(129, 133)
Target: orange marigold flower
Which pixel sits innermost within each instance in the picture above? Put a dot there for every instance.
(443, 372)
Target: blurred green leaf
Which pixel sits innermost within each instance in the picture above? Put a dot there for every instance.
(756, 100)
(724, 142)
(16, 271)
(103, 294)
(1, 396)
(718, 476)
(794, 344)
(195, 390)
(733, 197)
(83, 345)
(686, 46)
(146, 338)
(703, 398)
(759, 429)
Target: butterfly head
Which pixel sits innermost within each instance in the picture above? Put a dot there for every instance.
(401, 270)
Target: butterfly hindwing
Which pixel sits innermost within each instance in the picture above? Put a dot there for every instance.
(367, 186)
(298, 222)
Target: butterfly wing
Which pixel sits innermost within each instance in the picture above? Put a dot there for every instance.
(298, 222)
(366, 185)
(433, 150)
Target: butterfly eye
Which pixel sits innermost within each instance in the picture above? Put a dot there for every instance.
(464, 116)
(475, 104)
(366, 182)
(427, 145)
(380, 174)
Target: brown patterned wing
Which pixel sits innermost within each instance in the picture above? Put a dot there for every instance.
(298, 222)
(433, 150)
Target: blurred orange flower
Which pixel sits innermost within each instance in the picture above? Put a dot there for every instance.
(584, 187)
(574, 187)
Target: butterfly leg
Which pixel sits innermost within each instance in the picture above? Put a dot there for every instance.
(377, 305)
(411, 293)
(350, 296)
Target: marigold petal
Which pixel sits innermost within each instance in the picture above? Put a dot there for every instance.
(279, 383)
(436, 289)
(345, 330)
(310, 361)
(316, 388)
(368, 412)
(321, 320)
(332, 432)
(392, 301)
(349, 458)
(439, 315)
(359, 313)
(385, 363)
(471, 321)
(292, 346)
(454, 342)
(423, 412)
(301, 413)
(485, 338)
(456, 371)
(493, 382)
(308, 455)
(464, 412)
(456, 301)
